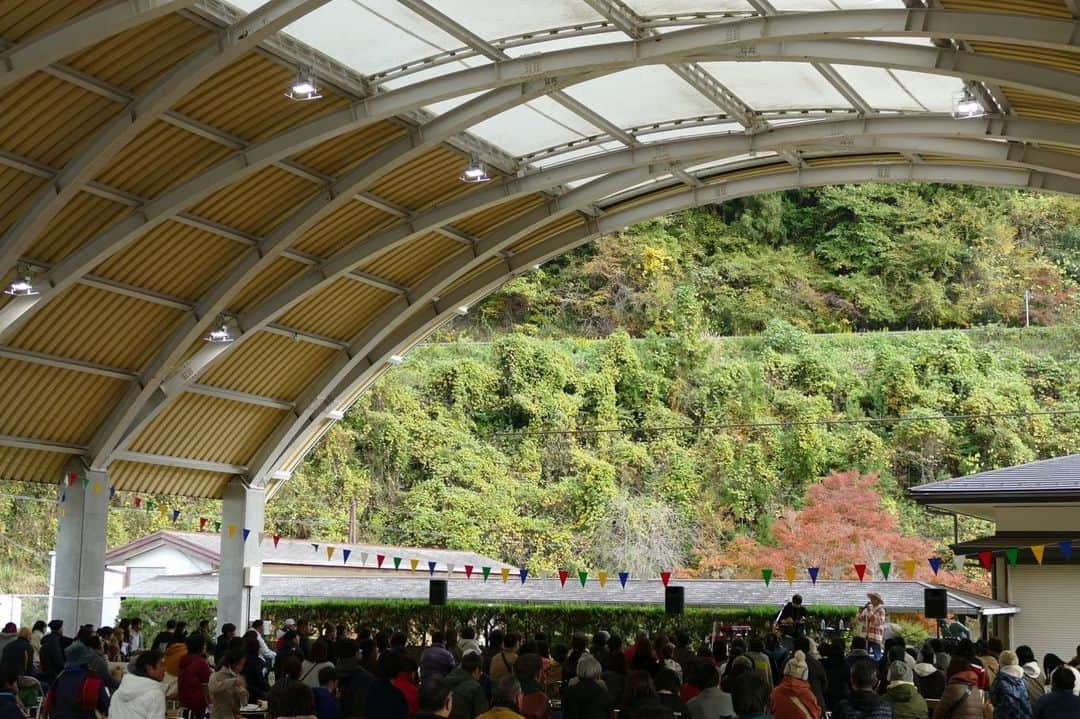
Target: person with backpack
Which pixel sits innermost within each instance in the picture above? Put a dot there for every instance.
(1009, 693)
(141, 694)
(502, 664)
(962, 698)
(77, 692)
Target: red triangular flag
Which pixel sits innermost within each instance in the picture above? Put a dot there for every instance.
(277, 538)
(563, 574)
(860, 569)
(665, 577)
(379, 559)
(468, 571)
(202, 523)
(986, 559)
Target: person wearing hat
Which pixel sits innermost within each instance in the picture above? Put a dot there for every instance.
(793, 698)
(1009, 693)
(874, 619)
(901, 694)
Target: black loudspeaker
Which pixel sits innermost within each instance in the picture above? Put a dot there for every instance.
(437, 592)
(674, 599)
(937, 603)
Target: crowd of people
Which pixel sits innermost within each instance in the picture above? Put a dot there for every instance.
(331, 673)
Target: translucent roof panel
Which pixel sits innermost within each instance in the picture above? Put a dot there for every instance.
(777, 85)
(641, 95)
(807, 5)
(514, 17)
(935, 92)
(684, 133)
(672, 7)
(578, 154)
(372, 35)
(879, 87)
(566, 43)
(712, 166)
(533, 126)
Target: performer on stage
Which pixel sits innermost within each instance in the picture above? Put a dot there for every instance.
(793, 618)
(874, 618)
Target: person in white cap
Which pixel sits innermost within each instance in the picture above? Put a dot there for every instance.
(874, 618)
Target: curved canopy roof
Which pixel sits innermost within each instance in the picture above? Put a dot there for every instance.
(158, 182)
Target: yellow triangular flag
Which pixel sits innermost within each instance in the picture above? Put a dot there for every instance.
(602, 578)
(505, 573)
(909, 568)
(97, 487)
(232, 530)
(163, 510)
(789, 574)
(412, 565)
(330, 552)
(63, 511)
(1038, 551)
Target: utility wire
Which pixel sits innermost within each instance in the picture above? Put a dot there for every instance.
(783, 424)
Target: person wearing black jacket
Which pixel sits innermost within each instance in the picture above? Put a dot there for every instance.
(165, 637)
(353, 679)
(221, 647)
(52, 650)
(18, 655)
(383, 699)
(436, 700)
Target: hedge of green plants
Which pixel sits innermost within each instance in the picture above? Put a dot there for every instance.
(559, 621)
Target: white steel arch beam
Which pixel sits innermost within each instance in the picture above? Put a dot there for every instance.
(143, 403)
(158, 387)
(20, 61)
(140, 114)
(414, 328)
(548, 68)
(429, 290)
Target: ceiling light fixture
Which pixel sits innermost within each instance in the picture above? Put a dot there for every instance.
(396, 359)
(222, 334)
(965, 104)
(475, 172)
(22, 285)
(303, 88)
(463, 310)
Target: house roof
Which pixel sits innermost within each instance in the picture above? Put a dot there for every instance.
(1022, 541)
(1050, 480)
(301, 552)
(899, 596)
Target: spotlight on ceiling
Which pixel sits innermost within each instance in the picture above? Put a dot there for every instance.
(303, 88)
(23, 284)
(965, 104)
(396, 359)
(475, 172)
(463, 310)
(222, 334)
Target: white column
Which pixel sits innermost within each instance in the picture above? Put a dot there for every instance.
(240, 571)
(80, 550)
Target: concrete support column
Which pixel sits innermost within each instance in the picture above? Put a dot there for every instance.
(80, 550)
(240, 572)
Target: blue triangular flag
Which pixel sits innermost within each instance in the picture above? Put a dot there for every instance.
(63, 497)
(935, 564)
(176, 516)
(1066, 549)
(623, 576)
(112, 492)
(345, 555)
(315, 547)
(524, 574)
(431, 568)
(813, 571)
(246, 533)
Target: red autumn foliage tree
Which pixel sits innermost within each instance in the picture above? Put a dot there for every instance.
(843, 522)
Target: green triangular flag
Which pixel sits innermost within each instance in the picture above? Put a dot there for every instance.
(85, 482)
(486, 571)
(397, 562)
(766, 574)
(1012, 554)
(217, 526)
(584, 577)
(885, 567)
(149, 506)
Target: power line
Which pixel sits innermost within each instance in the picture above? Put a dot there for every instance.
(783, 424)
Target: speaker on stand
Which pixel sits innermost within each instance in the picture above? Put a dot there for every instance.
(674, 599)
(437, 592)
(936, 603)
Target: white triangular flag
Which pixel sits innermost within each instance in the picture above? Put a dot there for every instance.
(958, 560)
(450, 569)
(363, 558)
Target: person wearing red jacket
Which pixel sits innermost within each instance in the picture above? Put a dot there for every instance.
(406, 683)
(195, 674)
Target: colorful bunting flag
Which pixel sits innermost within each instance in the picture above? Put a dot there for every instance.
(363, 558)
(97, 488)
(860, 570)
(665, 577)
(623, 576)
(431, 568)
(563, 574)
(112, 492)
(450, 567)
(247, 533)
(909, 569)
(524, 574)
(1012, 554)
(63, 497)
(505, 572)
(1066, 549)
(601, 577)
(813, 572)
(345, 555)
(163, 511)
(935, 564)
(150, 505)
(232, 531)
(379, 559)
(315, 547)
(202, 523)
(789, 574)
(468, 571)
(72, 478)
(486, 571)
(766, 574)
(397, 562)
(85, 482)
(138, 502)
(583, 576)
(330, 553)
(217, 526)
(986, 559)
(885, 568)
(413, 563)
(175, 515)
(262, 536)
(63, 511)
(277, 538)
(958, 560)
(1039, 550)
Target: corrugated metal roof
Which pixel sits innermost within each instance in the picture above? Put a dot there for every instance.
(1052, 479)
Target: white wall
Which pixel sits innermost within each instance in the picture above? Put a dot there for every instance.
(157, 561)
(1038, 518)
(1048, 620)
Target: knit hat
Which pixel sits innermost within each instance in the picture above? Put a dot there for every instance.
(900, 672)
(941, 661)
(1008, 658)
(796, 666)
